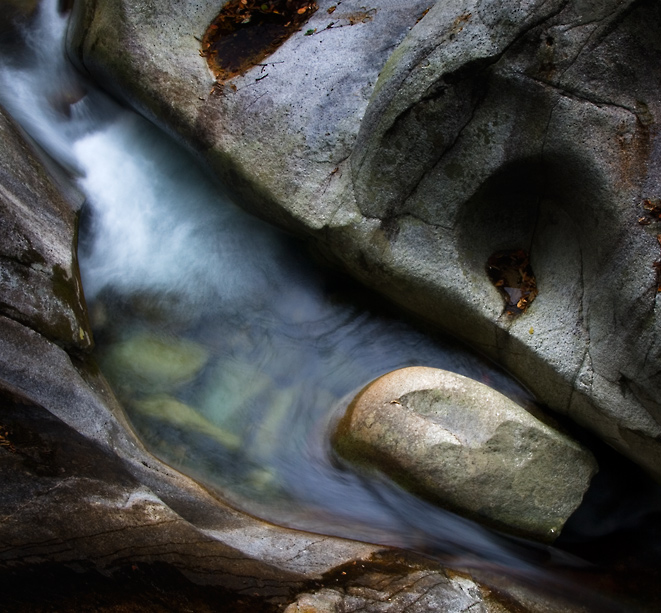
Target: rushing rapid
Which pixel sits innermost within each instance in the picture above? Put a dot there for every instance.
(170, 265)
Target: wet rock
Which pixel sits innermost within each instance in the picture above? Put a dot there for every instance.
(413, 148)
(74, 500)
(39, 279)
(465, 446)
(397, 585)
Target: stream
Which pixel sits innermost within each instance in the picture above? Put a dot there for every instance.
(233, 353)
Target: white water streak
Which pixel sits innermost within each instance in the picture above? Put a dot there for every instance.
(159, 224)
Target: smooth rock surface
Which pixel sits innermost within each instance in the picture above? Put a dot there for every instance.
(413, 147)
(465, 446)
(39, 279)
(84, 503)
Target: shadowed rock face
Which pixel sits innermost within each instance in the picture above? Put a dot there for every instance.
(412, 148)
(468, 447)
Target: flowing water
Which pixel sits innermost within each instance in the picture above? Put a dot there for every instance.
(231, 352)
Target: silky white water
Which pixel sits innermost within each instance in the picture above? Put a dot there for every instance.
(169, 262)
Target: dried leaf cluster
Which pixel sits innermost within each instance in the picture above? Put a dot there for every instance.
(4, 440)
(652, 212)
(511, 273)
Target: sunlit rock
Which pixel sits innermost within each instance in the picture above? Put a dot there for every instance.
(415, 145)
(429, 592)
(467, 447)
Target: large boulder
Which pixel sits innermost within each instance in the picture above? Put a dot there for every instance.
(464, 445)
(415, 145)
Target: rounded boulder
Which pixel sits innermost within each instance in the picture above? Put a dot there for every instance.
(467, 447)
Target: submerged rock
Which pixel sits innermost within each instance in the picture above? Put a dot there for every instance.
(173, 413)
(467, 447)
(150, 363)
(413, 145)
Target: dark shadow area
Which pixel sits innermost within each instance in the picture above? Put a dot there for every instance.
(617, 528)
(136, 588)
(503, 214)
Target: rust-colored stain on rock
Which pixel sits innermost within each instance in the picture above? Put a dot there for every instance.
(247, 31)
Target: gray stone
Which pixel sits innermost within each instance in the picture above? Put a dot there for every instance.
(554, 155)
(82, 495)
(461, 444)
(284, 131)
(39, 279)
(417, 592)
(413, 149)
